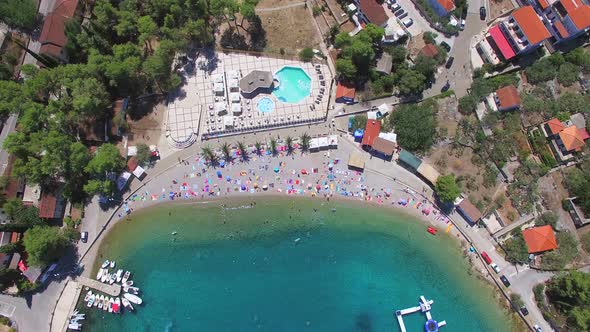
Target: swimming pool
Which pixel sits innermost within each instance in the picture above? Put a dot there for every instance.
(265, 105)
(294, 84)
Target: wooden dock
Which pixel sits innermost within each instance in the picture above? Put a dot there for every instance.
(111, 290)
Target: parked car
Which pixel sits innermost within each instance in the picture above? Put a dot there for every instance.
(462, 26)
(449, 62)
(84, 237)
(408, 22)
(399, 13)
(505, 280)
(537, 328)
(524, 310)
(495, 267)
(482, 13)
(486, 257)
(446, 46)
(445, 87)
(402, 16)
(395, 7)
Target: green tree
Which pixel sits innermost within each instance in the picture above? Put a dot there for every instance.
(12, 207)
(44, 245)
(580, 58)
(410, 82)
(305, 141)
(425, 65)
(568, 74)
(243, 151)
(446, 188)
(571, 103)
(144, 155)
(398, 53)
(273, 146)
(346, 69)
(19, 13)
(342, 39)
(362, 54)
(566, 252)
(467, 104)
(547, 218)
(209, 155)
(415, 126)
(306, 54)
(359, 121)
(106, 159)
(516, 249)
(147, 28)
(376, 33)
(28, 216)
(258, 147)
(289, 143)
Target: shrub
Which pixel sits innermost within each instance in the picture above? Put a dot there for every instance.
(306, 54)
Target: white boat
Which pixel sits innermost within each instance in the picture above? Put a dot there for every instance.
(132, 290)
(75, 326)
(117, 305)
(105, 264)
(91, 300)
(87, 297)
(127, 283)
(105, 304)
(99, 274)
(126, 304)
(111, 302)
(126, 276)
(96, 300)
(112, 278)
(112, 264)
(105, 276)
(119, 275)
(100, 301)
(133, 298)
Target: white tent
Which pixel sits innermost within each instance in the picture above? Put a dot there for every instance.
(131, 151)
(323, 142)
(217, 78)
(233, 84)
(372, 115)
(236, 108)
(220, 107)
(333, 141)
(228, 121)
(234, 97)
(314, 144)
(392, 137)
(138, 172)
(218, 88)
(233, 74)
(384, 109)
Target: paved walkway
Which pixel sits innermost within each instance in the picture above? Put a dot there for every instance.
(272, 9)
(65, 306)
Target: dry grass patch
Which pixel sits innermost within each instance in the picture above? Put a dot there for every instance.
(289, 29)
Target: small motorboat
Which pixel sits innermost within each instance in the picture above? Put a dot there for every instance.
(105, 304)
(119, 275)
(127, 304)
(105, 276)
(99, 274)
(126, 276)
(105, 264)
(432, 230)
(91, 300)
(112, 278)
(111, 302)
(75, 326)
(100, 301)
(132, 290)
(112, 264)
(88, 295)
(133, 298)
(96, 300)
(117, 306)
(127, 283)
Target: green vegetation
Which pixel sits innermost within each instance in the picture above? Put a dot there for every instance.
(144, 155)
(19, 14)
(539, 143)
(578, 183)
(516, 300)
(107, 160)
(446, 188)
(586, 242)
(357, 53)
(358, 122)
(547, 218)
(516, 249)
(564, 68)
(442, 22)
(415, 125)
(568, 251)
(569, 293)
(306, 54)
(44, 245)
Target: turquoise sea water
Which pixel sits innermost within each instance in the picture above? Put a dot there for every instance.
(240, 269)
(294, 85)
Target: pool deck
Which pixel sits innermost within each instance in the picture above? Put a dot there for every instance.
(196, 109)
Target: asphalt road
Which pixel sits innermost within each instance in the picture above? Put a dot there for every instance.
(8, 128)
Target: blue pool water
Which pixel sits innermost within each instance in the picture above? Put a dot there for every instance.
(294, 85)
(266, 105)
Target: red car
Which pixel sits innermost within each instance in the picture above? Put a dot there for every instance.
(486, 257)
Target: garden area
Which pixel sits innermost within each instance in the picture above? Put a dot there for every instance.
(541, 148)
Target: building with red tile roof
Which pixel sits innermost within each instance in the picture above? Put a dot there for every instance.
(429, 50)
(372, 130)
(572, 139)
(530, 24)
(554, 126)
(345, 93)
(540, 239)
(53, 37)
(507, 98)
(372, 12)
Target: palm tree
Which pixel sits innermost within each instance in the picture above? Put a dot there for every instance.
(209, 155)
(243, 151)
(305, 140)
(273, 146)
(226, 152)
(289, 142)
(258, 147)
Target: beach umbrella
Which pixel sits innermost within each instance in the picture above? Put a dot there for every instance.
(243, 187)
(318, 187)
(222, 163)
(228, 178)
(255, 185)
(219, 174)
(276, 169)
(265, 187)
(304, 172)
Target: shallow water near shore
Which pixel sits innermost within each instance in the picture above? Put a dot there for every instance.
(239, 267)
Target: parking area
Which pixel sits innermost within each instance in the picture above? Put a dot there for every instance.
(6, 309)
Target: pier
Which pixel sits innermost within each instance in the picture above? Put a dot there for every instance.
(425, 307)
(111, 290)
